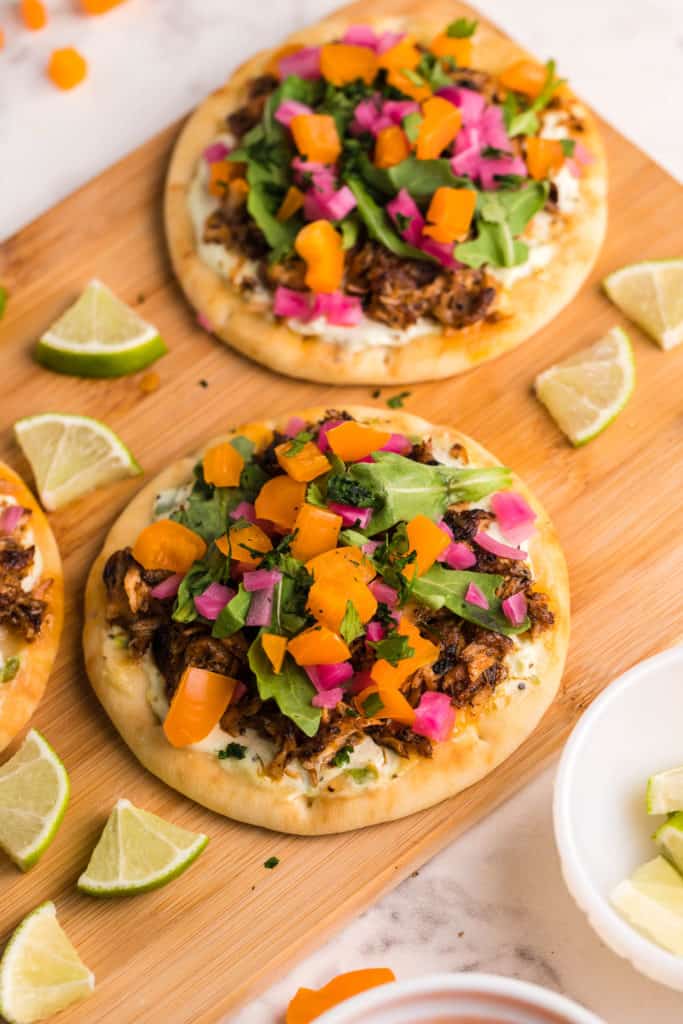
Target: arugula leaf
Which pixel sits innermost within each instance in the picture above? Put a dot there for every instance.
(351, 626)
(233, 617)
(393, 648)
(345, 491)
(207, 508)
(262, 207)
(440, 587)
(420, 178)
(349, 228)
(353, 538)
(194, 583)
(371, 705)
(518, 121)
(432, 71)
(290, 594)
(522, 205)
(244, 446)
(411, 125)
(378, 225)
(390, 559)
(404, 489)
(297, 443)
(252, 479)
(550, 87)
(462, 28)
(341, 102)
(500, 216)
(568, 146)
(495, 245)
(290, 688)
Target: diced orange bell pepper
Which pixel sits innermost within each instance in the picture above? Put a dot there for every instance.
(259, 434)
(404, 54)
(322, 249)
(239, 190)
(448, 46)
(292, 202)
(543, 156)
(352, 441)
(317, 530)
(427, 541)
(279, 501)
(33, 14)
(440, 124)
(222, 465)
(383, 673)
(394, 704)
(305, 465)
(99, 6)
(197, 706)
(309, 1003)
(327, 601)
(275, 647)
(392, 146)
(450, 213)
(220, 174)
(318, 645)
(526, 76)
(248, 544)
(166, 544)
(400, 81)
(316, 137)
(66, 68)
(341, 562)
(341, 63)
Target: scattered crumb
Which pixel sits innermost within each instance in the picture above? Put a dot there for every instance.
(140, 297)
(150, 382)
(460, 934)
(203, 383)
(272, 862)
(376, 393)
(415, 874)
(521, 686)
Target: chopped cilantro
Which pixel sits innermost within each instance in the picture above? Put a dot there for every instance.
(298, 443)
(372, 704)
(568, 146)
(351, 626)
(396, 401)
(342, 757)
(462, 28)
(345, 491)
(271, 863)
(361, 775)
(393, 648)
(235, 750)
(402, 221)
(491, 153)
(9, 670)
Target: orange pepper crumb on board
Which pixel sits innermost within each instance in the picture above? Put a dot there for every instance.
(33, 14)
(67, 68)
(309, 1003)
(99, 6)
(150, 382)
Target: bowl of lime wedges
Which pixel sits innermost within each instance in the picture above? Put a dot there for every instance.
(618, 816)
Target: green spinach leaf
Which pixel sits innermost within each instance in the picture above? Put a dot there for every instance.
(291, 688)
(446, 588)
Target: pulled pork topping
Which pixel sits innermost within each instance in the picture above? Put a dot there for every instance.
(289, 522)
(382, 177)
(23, 610)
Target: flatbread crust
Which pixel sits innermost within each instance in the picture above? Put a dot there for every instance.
(226, 788)
(528, 305)
(20, 696)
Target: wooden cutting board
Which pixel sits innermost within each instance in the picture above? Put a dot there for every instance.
(198, 948)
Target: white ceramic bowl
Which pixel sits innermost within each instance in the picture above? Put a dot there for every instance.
(603, 831)
(458, 999)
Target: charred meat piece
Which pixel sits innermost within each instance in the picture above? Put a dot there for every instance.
(232, 226)
(466, 522)
(19, 609)
(539, 612)
(246, 117)
(179, 645)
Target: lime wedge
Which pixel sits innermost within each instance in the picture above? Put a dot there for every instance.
(584, 393)
(71, 455)
(138, 851)
(651, 294)
(665, 792)
(652, 901)
(99, 336)
(669, 839)
(40, 972)
(34, 792)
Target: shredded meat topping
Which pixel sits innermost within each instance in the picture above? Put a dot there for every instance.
(23, 611)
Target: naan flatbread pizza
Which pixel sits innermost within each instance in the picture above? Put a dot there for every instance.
(31, 603)
(325, 622)
(399, 193)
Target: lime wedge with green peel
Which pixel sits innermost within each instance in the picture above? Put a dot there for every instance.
(651, 294)
(585, 392)
(665, 792)
(99, 336)
(40, 972)
(652, 900)
(138, 851)
(34, 792)
(71, 455)
(669, 839)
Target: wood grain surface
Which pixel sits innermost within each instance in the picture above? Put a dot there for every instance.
(192, 951)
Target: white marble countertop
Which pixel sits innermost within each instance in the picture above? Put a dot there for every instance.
(494, 900)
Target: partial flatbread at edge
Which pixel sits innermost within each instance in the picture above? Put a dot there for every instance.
(500, 726)
(533, 301)
(19, 697)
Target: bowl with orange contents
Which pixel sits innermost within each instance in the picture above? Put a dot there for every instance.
(459, 999)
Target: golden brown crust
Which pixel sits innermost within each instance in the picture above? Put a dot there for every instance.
(225, 787)
(20, 696)
(528, 305)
